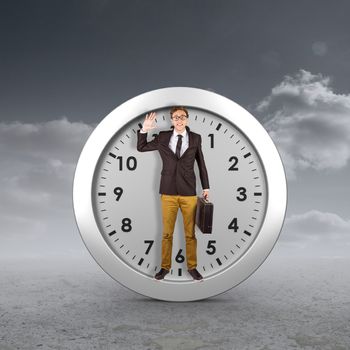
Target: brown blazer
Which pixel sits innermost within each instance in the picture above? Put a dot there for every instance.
(177, 176)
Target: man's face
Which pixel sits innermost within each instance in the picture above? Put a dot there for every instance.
(179, 124)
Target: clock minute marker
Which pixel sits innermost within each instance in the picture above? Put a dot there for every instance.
(179, 272)
(139, 125)
(112, 154)
(218, 261)
(140, 262)
(218, 126)
(247, 233)
(257, 193)
(112, 233)
(101, 193)
(247, 155)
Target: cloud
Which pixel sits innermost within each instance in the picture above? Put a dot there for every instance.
(309, 122)
(317, 225)
(37, 165)
(316, 231)
(55, 139)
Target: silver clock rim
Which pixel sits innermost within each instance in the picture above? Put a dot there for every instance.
(227, 110)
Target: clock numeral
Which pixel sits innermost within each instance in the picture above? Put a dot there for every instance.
(211, 136)
(179, 257)
(131, 163)
(150, 243)
(242, 194)
(233, 225)
(118, 191)
(211, 247)
(233, 167)
(126, 225)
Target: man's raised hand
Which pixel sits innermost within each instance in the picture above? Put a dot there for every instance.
(149, 122)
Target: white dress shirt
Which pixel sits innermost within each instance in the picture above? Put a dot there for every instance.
(174, 139)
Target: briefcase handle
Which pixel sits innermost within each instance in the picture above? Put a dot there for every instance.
(205, 200)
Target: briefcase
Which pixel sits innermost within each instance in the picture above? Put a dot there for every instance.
(204, 215)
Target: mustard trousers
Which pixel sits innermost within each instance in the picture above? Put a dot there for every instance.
(170, 206)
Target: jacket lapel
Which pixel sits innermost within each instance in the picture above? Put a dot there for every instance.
(167, 141)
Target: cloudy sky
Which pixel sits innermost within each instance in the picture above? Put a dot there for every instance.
(64, 65)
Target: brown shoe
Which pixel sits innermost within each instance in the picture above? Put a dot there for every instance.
(195, 274)
(161, 274)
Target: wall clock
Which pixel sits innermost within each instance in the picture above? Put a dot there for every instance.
(116, 196)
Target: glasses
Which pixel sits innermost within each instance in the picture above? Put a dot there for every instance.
(176, 118)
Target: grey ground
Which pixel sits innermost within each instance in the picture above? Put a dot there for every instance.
(289, 303)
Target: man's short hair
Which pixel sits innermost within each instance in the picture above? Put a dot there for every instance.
(177, 108)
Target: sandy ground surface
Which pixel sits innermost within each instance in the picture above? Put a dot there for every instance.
(72, 304)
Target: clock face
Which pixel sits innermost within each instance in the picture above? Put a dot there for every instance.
(117, 203)
(127, 206)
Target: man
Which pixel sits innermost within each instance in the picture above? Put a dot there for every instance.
(178, 148)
